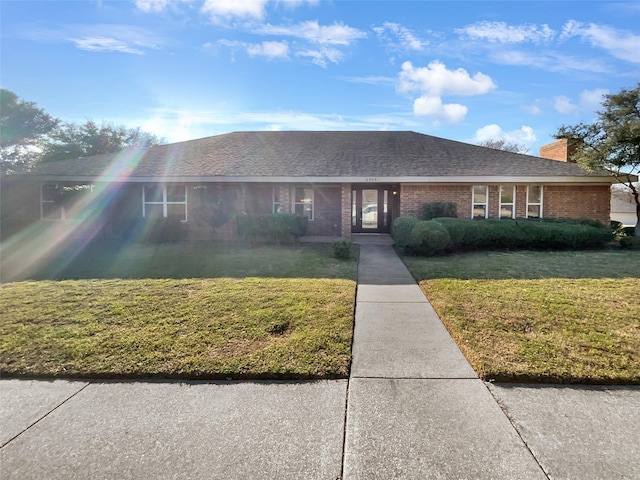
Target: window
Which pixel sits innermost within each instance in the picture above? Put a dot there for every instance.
(277, 205)
(534, 201)
(507, 201)
(160, 201)
(479, 201)
(303, 202)
(65, 202)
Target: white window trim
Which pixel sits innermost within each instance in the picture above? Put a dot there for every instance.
(313, 200)
(512, 204)
(541, 201)
(474, 203)
(63, 211)
(273, 199)
(164, 201)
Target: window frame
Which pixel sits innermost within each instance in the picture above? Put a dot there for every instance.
(539, 204)
(474, 203)
(276, 200)
(512, 204)
(303, 203)
(81, 214)
(164, 202)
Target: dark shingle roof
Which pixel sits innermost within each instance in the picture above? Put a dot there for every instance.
(312, 154)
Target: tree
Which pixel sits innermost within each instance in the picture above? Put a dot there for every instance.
(612, 141)
(503, 144)
(23, 130)
(73, 141)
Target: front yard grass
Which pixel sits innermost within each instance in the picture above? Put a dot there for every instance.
(182, 311)
(559, 317)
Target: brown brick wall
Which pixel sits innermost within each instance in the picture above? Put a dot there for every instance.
(558, 201)
(591, 201)
(413, 196)
(346, 210)
(327, 211)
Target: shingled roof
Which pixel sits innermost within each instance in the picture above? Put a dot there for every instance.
(305, 155)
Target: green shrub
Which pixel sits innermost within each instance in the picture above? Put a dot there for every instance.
(275, 228)
(466, 235)
(632, 243)
(342, 248)
(428, 238)
(401, 230)
(439, 210)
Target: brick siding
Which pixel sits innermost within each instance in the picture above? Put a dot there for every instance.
(413, 196)
(592, 201)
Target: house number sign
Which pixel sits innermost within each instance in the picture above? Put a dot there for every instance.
(371, 179)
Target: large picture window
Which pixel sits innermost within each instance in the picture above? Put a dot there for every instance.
(161, 201)
(534, 201)
(480, 196)
(507, 201)
(303, 202)
(65, 202)
(277, 204)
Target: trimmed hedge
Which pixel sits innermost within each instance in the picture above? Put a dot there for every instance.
(275, 228)
(425, 238)
(433, 210)
(401, 230)
(164, 230)
(496, 234)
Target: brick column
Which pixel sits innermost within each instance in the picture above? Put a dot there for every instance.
(345, 208)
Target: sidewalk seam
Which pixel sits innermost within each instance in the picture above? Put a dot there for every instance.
(44, 416)
(513, 425)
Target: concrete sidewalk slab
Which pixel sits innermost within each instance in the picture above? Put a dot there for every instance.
(586, 432)
(390, 293)
(23, 402)
(379, 265)
(258, 430)
(431, 429)
(404, 340)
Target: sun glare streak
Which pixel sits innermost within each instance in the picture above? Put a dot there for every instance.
(59, 242)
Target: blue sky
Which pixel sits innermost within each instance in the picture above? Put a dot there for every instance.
(186, 69)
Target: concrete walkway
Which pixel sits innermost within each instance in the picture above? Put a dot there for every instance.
(413, 408)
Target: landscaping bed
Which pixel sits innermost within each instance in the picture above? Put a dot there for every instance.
(559, 317)
(141, 311)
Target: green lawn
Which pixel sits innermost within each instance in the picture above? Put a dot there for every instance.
(182, 311)
(540, 316)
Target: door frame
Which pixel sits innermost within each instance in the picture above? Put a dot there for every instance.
(384, 224)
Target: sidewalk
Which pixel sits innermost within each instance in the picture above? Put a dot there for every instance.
(413, 408)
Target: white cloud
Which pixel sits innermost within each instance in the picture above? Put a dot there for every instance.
(323, 56)
(533, 109)
(312, 31)
(104, 44)
(435, 80)
(270, 50)
(524, 135)
(619, 43)
(500, 32)
(221, 10)
(564, 105)
(433, 108)
(589, 101)
(400, 36)
(149, 6)
(371, 80)
(547, 60)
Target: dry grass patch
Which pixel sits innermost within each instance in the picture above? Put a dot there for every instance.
(562, 317)
(180, 328)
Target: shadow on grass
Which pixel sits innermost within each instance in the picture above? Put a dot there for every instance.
(207, 259)
(608, 263)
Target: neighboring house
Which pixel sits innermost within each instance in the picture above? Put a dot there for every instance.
(344, 182)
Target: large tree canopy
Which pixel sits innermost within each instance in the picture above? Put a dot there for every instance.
(612, 141)
(23, 131)
(73, 141)
(29, 135)
(503, 144)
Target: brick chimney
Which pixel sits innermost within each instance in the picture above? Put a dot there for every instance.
(561, 150)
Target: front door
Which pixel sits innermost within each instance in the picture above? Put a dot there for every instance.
(371, 208)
